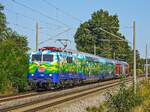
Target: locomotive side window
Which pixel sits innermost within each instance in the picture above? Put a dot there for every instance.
(36, 57)
(69, 59)
(47, 57)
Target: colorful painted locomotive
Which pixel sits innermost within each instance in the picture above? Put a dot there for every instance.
(51, 67)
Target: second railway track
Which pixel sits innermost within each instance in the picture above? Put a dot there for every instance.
(40, 102)
(17, 96)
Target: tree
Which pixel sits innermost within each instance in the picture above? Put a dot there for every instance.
(14, 66)
(90, 33)
(20, 40)
(2, 19)
(13, 58)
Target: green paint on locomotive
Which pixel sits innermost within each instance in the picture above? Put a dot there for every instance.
(78, 65)
(49, 68)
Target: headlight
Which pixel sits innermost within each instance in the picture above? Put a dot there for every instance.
(42, 75)
(50, 75)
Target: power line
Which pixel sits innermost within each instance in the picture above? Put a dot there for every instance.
(126, 27)
(114, 35)
(107, 40)
(121, 39)
(30, 18)
(62, 11)
(27, 28)
(21, 26)
(34, 10)
(55, 36)
(33, 30)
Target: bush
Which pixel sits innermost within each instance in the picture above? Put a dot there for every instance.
(13, 58)
(124, 100)
(140, 71)
(13, 67)
(144, 91)
(101, 108)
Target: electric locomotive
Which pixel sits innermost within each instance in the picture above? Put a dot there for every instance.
(52, 67)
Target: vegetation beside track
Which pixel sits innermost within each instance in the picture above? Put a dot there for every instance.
(13, 59)
(14, 48)
(124, 100)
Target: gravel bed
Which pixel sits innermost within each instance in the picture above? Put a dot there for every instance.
(15, 102)
(80, 104)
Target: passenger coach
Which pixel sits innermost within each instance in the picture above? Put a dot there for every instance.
(52, 67)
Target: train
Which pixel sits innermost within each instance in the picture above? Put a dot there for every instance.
(52, 67)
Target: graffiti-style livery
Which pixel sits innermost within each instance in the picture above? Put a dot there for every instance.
(52, 67)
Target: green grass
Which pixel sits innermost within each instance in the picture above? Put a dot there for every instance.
(124, 100)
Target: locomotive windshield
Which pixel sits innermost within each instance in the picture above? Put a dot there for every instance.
(36, 57)
(47, 57)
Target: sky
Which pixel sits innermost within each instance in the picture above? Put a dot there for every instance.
(59, 19)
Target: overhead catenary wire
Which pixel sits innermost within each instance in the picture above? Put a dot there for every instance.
(27, 28)
(34, 10)
(39, 12)
(114, 35)
(62, 11)
(126, 27)
(31, 18)
(55, 36)
(121, 39)
(107, 40)
(21, 26)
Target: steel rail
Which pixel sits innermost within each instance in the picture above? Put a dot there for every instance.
(16, 96)
(72, 97)
(101, 87)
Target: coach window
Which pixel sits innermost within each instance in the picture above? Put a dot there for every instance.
(48, 57)
(69, 59)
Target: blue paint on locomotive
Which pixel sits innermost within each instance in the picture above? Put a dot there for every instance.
(106, 70)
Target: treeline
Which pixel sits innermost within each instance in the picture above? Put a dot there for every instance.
(99, 31)
(14, 48)
(13, 58)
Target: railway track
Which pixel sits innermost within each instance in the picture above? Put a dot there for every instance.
(17, 96)
(48, 103)
(24, 95)
(43, 101)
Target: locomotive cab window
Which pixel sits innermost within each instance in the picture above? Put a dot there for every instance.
(69, 59)
(36, 57)
(48, 57)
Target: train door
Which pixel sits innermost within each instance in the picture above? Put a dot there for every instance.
(123, 70)
(127, 70)
(118, 71)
